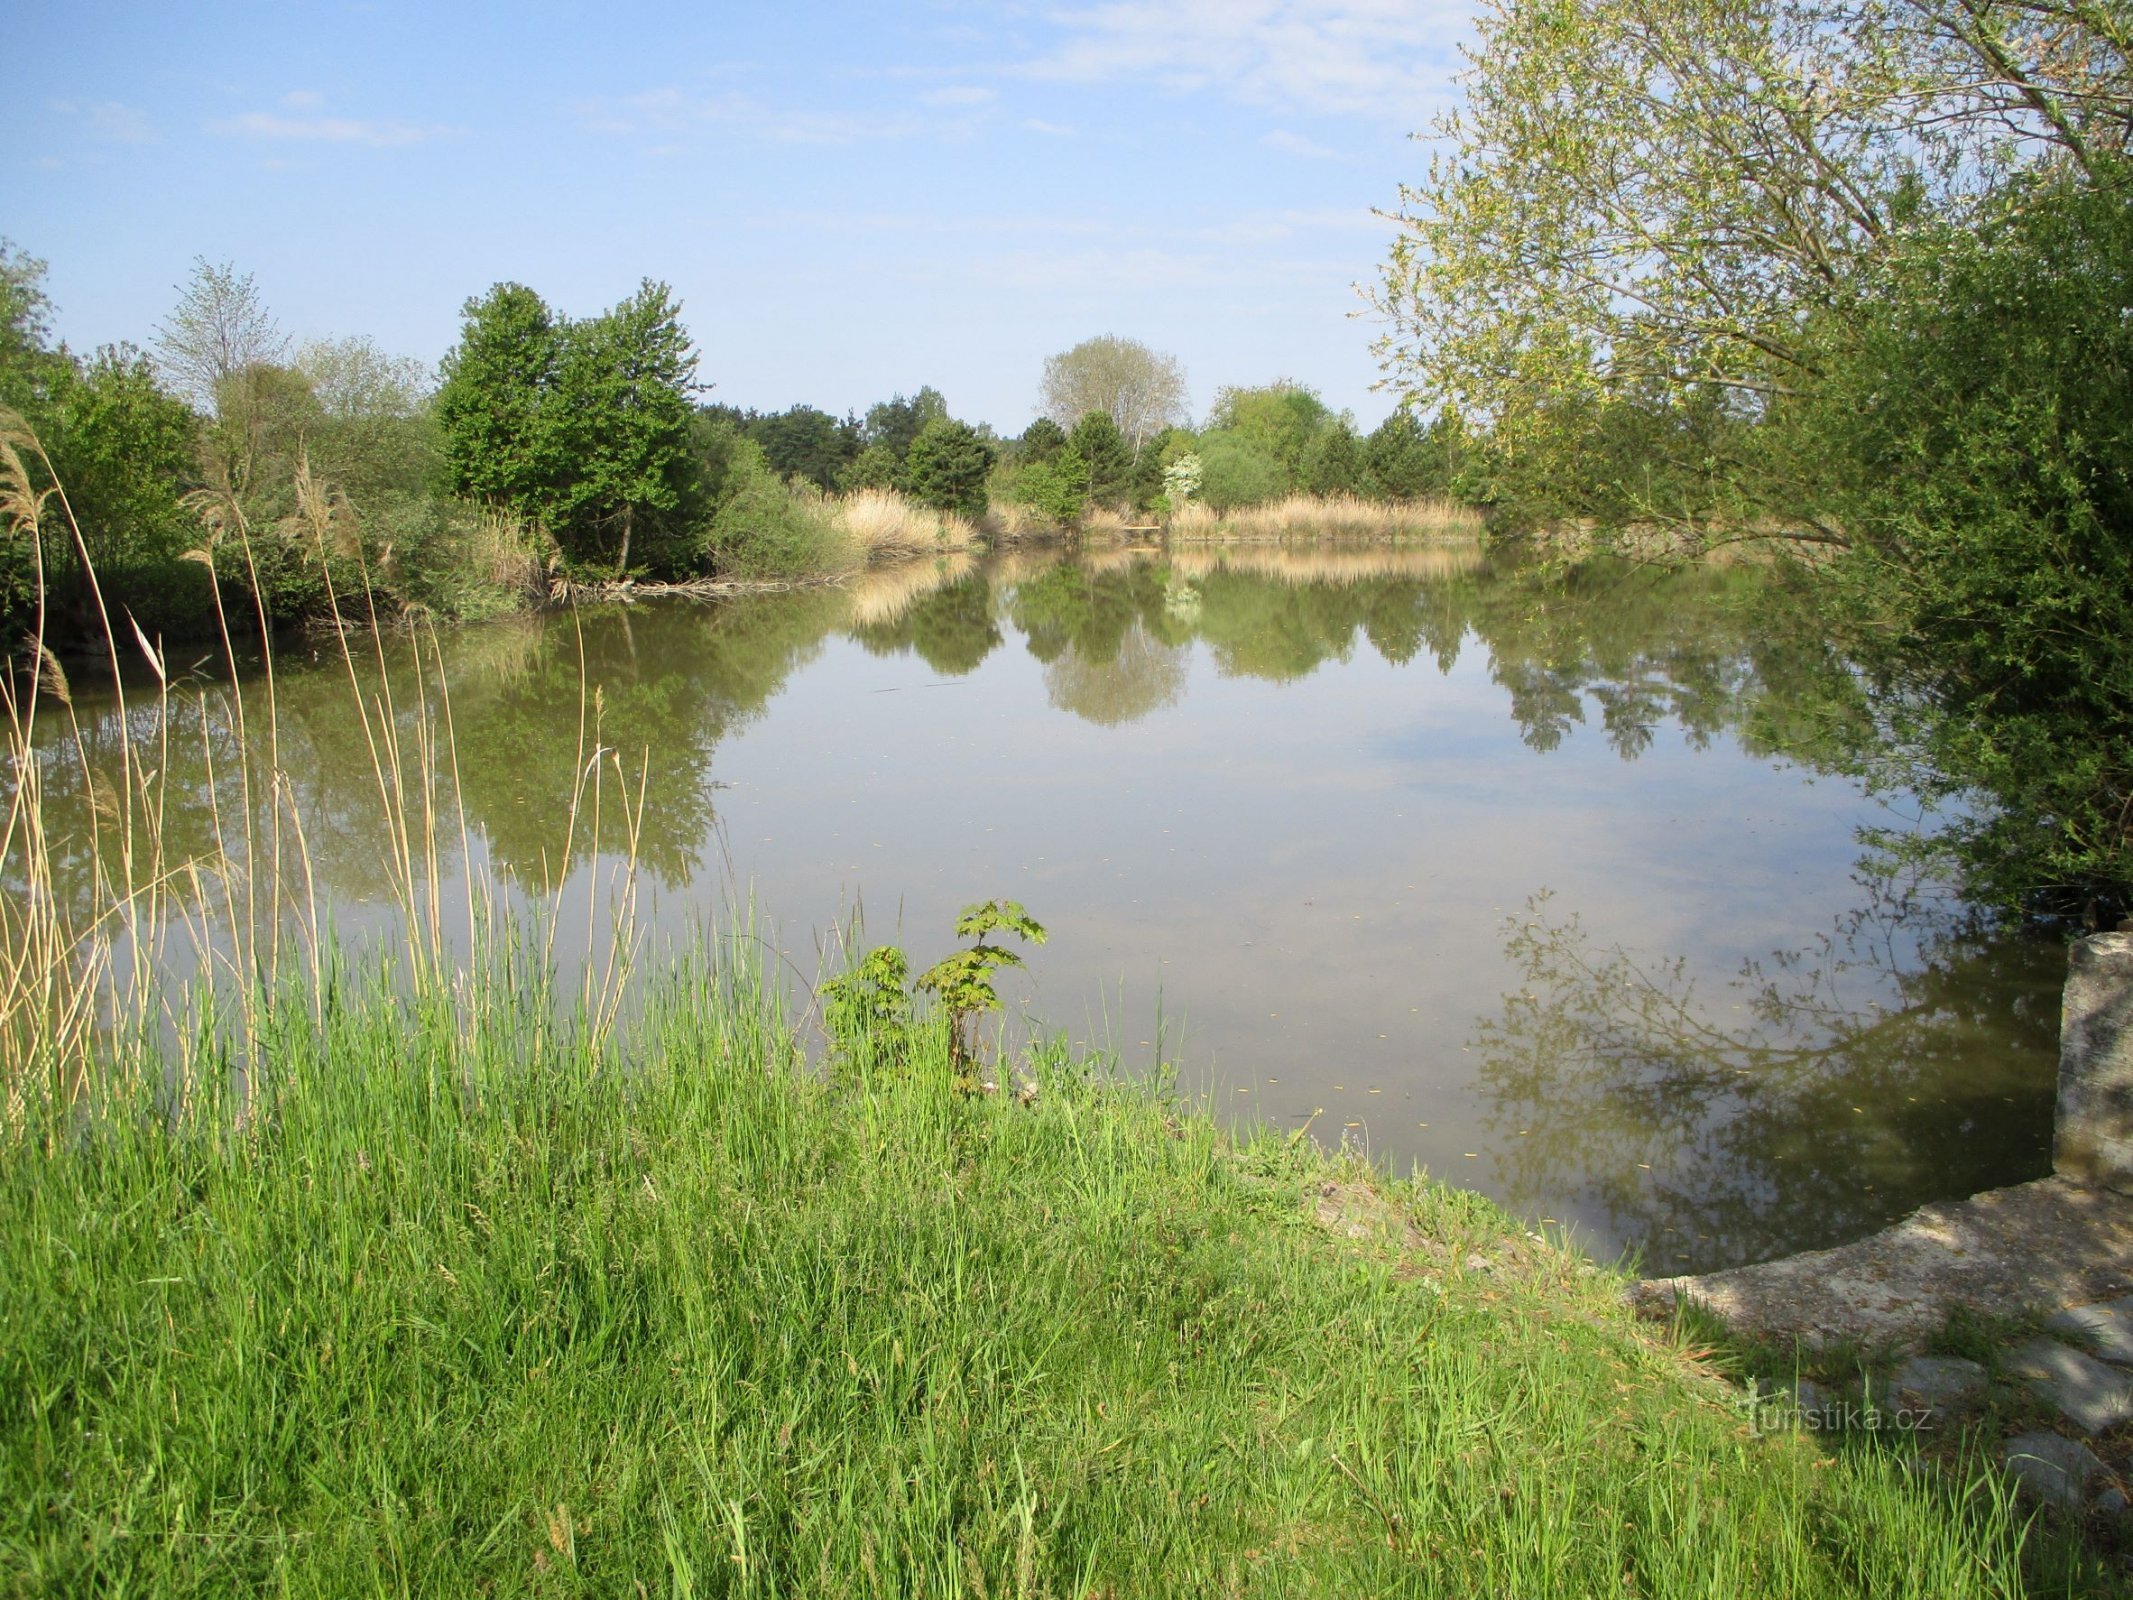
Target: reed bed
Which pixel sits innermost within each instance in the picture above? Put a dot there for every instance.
(881, 522)
(1328, 516)
(426, 1274)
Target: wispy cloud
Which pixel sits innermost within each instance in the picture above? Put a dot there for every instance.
(1295, 144)
(674, 113)
(109, 120)
(1051, 130)
(1374, 57)
(960, 95)
(303, 117)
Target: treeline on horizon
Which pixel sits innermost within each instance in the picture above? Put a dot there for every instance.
(232, 473)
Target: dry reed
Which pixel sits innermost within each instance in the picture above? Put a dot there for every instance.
(880, 522)
(105, 911)
(1328, 516)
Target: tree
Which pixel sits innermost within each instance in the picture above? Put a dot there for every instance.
(373, 434)
(1333, 461)
(1280, 418)
(622, 401)
(1137, 388)
(1056, 489)
(875, 467)
(1235, 470)
(948, 465)
(1040, 441)
(807, 443)
(1652, 199)
(1097, 442)
(501, 444)
(220, 328)
(893, 424)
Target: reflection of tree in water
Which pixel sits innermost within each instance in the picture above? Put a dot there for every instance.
(951, 629)
(1142, 675)
(1907, 1057)
(665, 683)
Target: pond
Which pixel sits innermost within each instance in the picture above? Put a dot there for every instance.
(1506, 875)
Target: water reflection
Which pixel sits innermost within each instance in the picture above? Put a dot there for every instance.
(1816, 1100)
(1287, 793)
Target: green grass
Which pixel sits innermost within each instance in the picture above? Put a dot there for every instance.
(455, 1304)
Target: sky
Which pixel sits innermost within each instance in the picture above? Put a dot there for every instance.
(851, 200)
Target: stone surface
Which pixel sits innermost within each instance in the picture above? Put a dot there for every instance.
(2048, 1243)
(2092, 1136)
(2106, 1330)
(2113, 1503)
(2055, 1470)
(2091, 1395)
(1937, 1381)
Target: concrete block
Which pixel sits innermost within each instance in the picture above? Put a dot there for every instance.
(2092, 1137)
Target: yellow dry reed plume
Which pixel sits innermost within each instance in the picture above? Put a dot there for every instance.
(1328, 516)
(880, 522)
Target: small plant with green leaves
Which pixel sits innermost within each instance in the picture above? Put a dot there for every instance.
(866, 1012)
(962, 981)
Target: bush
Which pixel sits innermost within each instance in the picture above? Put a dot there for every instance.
(762, 528)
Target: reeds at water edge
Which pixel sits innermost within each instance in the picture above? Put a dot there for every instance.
(102, 908)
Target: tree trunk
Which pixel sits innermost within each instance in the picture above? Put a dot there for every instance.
(622, 561)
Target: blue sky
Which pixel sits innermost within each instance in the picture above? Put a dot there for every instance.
(851, 200)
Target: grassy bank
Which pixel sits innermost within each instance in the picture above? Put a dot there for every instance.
(451, 1301)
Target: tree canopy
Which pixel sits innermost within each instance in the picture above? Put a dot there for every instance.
(1139, 389)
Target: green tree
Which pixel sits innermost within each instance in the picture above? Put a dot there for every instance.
(622, 401)
(1105, 454)
(1976, 423)
(948, 465)
(1280, 418)
(1056, 489)
(875, 467)
(1236, 470)
(501, 443)
(807, 443)
(893, 424)
(1333, 461)
(1040, 441)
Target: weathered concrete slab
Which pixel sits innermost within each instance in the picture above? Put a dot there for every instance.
(2105, 1329)
(2088, 1393)
(2045, 1244)
(2055, 1470)
(2092, 1133)
(1937, 1381)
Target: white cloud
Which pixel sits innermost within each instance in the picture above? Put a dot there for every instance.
(1295, 144)
(674, 112)
(303, 118)
(960, 95)
(110, 120)
(1382, 58)
(1051, 130)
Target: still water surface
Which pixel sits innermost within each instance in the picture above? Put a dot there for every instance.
(1501, 877)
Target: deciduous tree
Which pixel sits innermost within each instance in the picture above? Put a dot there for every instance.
(1139, 389)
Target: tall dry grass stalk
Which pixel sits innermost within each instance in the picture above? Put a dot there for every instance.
(881, 522)
(1305, 516)
(112, 937)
